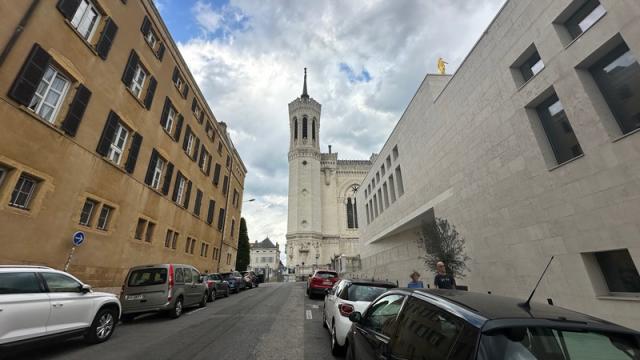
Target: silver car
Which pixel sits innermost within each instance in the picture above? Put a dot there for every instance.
(163, 287)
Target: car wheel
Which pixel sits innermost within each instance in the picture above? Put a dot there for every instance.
(127, 318)
(212, 296)
(349, 351)
(336, 349)
(102, 326)
(203, 301)
(177, 309)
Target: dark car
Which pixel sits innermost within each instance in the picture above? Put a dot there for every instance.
(320, 282)
(451, 324)
(250, 279)
(236, 283)
(217, 286)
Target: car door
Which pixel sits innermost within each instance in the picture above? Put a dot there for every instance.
(330, 301)
(71, 308)
(371, 337)
(198, 287)
(188, 286)
(24, 306)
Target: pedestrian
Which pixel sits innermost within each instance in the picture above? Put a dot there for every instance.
(415, 283)
(442, 279)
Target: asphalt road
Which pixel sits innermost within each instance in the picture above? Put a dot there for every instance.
(274, 321)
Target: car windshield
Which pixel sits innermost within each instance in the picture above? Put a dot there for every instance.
(534, 343)
(147, 277)
(369, 293)
(227, 276)
(326, 275)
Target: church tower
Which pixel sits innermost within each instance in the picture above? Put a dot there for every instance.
(304, 226)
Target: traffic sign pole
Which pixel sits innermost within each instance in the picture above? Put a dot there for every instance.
(66, 266)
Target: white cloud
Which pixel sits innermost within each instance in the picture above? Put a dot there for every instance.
(251, 72)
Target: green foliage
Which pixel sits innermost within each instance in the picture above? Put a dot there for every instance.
(442, 242)
(244, 257)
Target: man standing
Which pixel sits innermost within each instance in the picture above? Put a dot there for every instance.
(442, 279)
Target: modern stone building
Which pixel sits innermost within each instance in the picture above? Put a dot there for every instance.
(265, 257)
(323, 219)
(106, 132)
(531, 149)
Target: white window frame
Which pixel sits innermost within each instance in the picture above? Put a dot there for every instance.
(80, 16)
(190, 141)
(104, 224)
(116, 151)
(181, 187)
(90, 215)
(179, 82)
(157, 173)
(204, 160)
(3, 174)
(171, 116)
(138, 81)
(21, 181)
(42, 92)
(150, 38)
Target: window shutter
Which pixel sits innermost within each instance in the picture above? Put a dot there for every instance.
(32, 71)
(198, 204)
(130, 165)
(185, 91)
(195, 149)
(148, 179)
(130, 69)
(186, 138)
(187, 195)
(201, 159)
(193, 104)
(106, 38)
(208, 165)
(151, 90)
(225, 185)
(174, 197)
(68, 8)
(176, 74)
(201, 116)
(176, 136)
(160, 53)
(216, 175)
(108, 133)
(76, 110)
(146, 26)
(165, 112)
(167, 179)
(212, 205)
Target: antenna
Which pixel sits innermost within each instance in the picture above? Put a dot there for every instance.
(526, 304)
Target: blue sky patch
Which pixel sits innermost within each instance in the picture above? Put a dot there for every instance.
(363, 76)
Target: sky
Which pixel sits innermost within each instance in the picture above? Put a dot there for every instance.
(365, 61)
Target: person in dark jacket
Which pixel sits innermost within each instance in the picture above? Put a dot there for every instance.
(442, 279)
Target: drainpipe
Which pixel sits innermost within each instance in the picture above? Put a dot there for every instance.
(226, 210)
(18, 31)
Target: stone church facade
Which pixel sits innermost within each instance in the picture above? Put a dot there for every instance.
(322, 216)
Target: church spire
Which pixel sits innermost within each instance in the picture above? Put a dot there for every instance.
(304, 87)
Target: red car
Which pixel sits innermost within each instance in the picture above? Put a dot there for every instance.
(320, 282)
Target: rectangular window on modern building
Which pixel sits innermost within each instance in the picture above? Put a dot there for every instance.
(619, 271)
(388, 161)
(87, 212)
(385, 193)
(392, 189)
(583, 18)
(24, 191)
(618, 77)
(367, 211)
(399, 182)
(375, 205)
(380, 205)
(395, 153)
(531, 66)
(555, 123)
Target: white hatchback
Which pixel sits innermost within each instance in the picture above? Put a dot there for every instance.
(38, 303)
(345, 297)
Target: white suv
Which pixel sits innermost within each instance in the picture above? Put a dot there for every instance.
(37, 302)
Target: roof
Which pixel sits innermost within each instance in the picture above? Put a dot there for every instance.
(264, 244)
(371, 282)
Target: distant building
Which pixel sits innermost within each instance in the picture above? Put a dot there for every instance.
(105, 131)
(323, 215)
(265, 257)
(531, 149)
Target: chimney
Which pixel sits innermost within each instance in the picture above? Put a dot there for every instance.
(329, 149)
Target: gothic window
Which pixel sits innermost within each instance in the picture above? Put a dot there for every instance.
(295, 128)
(352, 211)
(304, 128)
(313, 129)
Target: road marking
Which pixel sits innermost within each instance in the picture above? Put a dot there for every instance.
(195, 311)
(315, 306)
(309, 315)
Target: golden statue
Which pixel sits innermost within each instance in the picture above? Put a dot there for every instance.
(441, 66)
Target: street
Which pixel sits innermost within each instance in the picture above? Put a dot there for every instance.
(274, 321)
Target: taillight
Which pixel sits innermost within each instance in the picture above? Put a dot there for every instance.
(170, 293)
(345, 309)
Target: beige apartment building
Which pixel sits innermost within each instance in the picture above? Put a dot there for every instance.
(531, 149)
(106, 132)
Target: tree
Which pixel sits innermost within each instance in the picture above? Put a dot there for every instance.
(243, 257)
(442, 242)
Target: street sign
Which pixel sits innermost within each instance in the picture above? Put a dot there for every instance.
(78, 238)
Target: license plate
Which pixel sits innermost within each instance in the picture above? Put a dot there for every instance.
(327, 283)
(135, 297)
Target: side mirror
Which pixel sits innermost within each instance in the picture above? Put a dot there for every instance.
(355, 317)
(85, 288)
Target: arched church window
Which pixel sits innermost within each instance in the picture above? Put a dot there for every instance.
(304, 128)
(313, 129)
(295, 128)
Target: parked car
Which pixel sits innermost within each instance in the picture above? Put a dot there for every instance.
(260, 278)
(38, 303)
(164, 287)
(235, 280)
(216, 285)
(250, 279)
(452, 324)
(345, 297)
(320, 282)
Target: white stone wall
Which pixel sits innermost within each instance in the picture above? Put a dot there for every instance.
(257, 255)
(469, 150)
